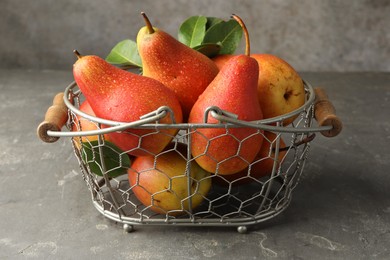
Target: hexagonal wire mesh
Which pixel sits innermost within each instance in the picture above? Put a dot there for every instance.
(124, 190)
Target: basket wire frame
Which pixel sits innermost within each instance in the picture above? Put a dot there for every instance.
(226, 203)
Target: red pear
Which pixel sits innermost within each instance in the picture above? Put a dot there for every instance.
(261, 166)
(280, 89)
(184, 70)
(234, 89)
(120, 95)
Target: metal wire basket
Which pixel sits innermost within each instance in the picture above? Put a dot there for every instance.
(247, 198)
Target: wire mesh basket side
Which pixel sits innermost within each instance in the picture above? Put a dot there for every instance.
(246, 198)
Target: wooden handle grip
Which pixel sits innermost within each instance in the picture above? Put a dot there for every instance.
(325, 113)
(55, 118)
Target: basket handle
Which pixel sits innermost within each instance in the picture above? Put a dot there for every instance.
(325, 113)
(55, 118)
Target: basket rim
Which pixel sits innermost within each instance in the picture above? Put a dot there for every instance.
(149, 120)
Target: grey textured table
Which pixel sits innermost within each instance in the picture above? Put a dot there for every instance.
(340, 209)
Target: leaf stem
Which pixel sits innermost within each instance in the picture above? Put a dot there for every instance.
(246, 33)
(148, 23)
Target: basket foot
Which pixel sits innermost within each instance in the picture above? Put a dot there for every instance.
(128, 228)
(242, 229)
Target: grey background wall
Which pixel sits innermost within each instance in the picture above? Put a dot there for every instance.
(312, 35)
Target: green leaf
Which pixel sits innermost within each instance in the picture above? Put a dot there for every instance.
(116, 161)
(125, 53)
(192, 31)
(228, 34)
(208, 49)
(211, 21)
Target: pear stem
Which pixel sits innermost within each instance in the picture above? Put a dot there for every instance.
(148, 23)
(246, 33)
(78, 55)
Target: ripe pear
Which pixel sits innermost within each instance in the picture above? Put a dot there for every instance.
(280, 88)
(261, 166)
(83, 124)
(120, 95)
(163, 184)
(186, 71)
(234, 89)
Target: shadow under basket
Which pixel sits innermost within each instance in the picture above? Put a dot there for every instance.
(214, 199)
